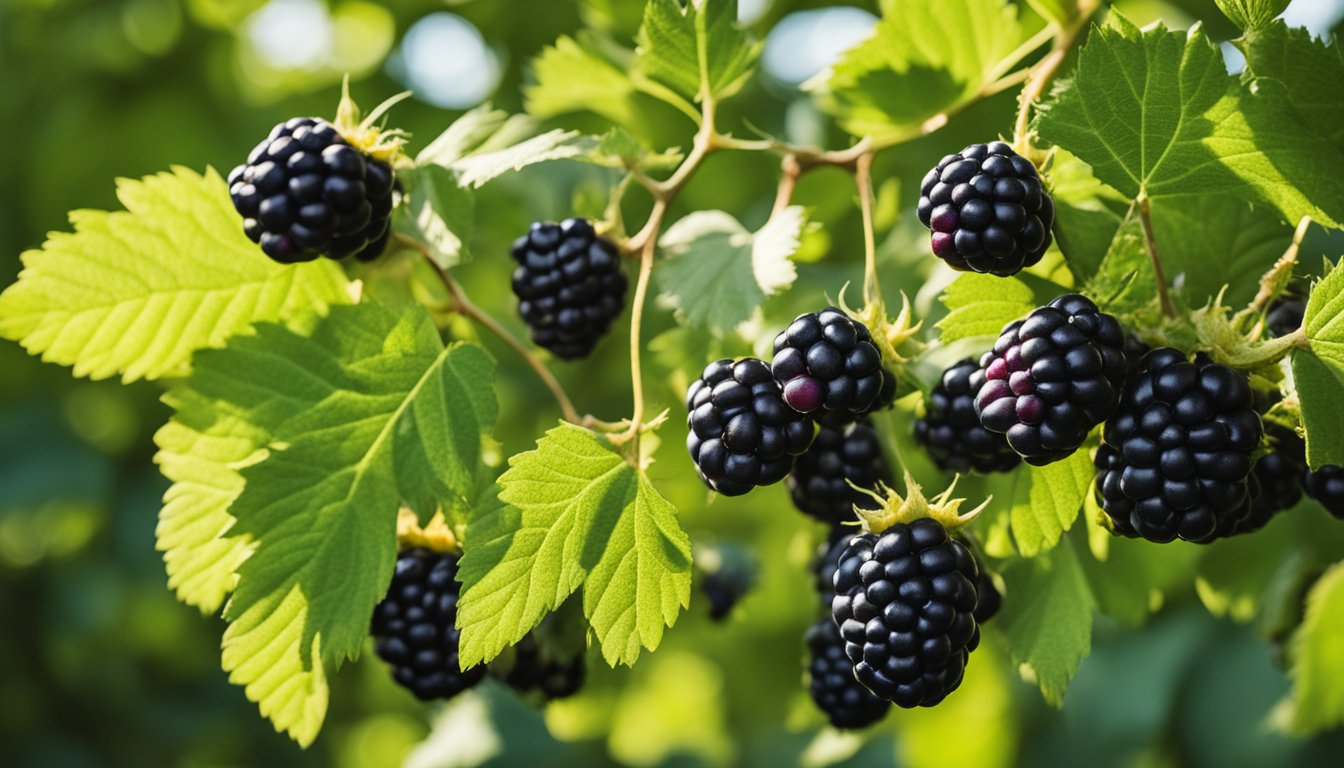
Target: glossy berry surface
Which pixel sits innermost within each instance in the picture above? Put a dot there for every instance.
(536, 670)
(1276, 477)
(831, 682)
(1326, 485)
(569, 286)
(1051, 378)
(989, 601)
(987, 210)
(843, 452)
(413, 626)
(742, 434)
(825, 360)
(951, 431)
(1285, 316)
(1175, 459)
(904, 603)
(305, 192)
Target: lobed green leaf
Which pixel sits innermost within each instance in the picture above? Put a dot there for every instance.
(1046, 501)
(695, 48)
(1318, 666)
(1049, 631)
(1318, 372)
(981, 305)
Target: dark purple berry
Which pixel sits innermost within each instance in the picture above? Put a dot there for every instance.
(826, 360)
(569, 286)
(951, 431)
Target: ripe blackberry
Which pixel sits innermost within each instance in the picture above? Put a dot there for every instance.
(1051, 378)
(1176, 457)
(951, 431)
(842, 453)
(905, 603)
(569, 286)
(847, 704)
(826, 360)
(828, 559)
(742, 434)
(1285, 316)
(413, 626)
(729, 572)
(987, 210)
(536, 669)
(1326, 485)
(305, 192)
(1276, 477)
(989, 599)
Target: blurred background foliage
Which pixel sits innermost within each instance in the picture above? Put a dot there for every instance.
(99, 666)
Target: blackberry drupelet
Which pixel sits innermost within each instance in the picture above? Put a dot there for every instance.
(1175, 458)
(569, 286)
(987, 209)
(846, 703)
(989, 600)
(1326, 485)
(1285, 316)
(826, 360)
(951, 431)
(904, 603)
(305, 192)
(828, 559)
(742, 434)
(843, 452)
(1276, 477)
(1052, 377)
(413, 626)
(536, 669)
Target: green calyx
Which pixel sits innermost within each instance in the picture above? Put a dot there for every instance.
(894, 508)
(364, 133)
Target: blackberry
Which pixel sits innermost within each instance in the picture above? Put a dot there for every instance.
(536, 669)
(413, 626)
(989, 600)
(846, 703)
(826, 360)
(1276, 477)
(1175, 458)
(1051, 378)
(905, 603)
(987, 209)
(842, 453)
(569, 286)
(728, 574)
(1326, 485)
(305, 192)
(742, 434)
(828, 559)
(1285, 316)
(951, 431)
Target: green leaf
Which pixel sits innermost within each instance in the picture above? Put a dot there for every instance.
(1235, 253)
(618, 149)
(365, 412)
(1305, 73)
(438, 213)
(1087, 214)
(575, 76)
(717, 273)
(1048, 619)
(1319, 373)
(1058, 11)
(479, 131)
(1046, 501)
(1318, 668)
(1155, 112)
(981, 305)
(1252, 14)
(695, 49)
(135, 292)
(1124, 281)
(1129, 584)
(925, 57)
(1232, 575)
(578, 515)
(475, 170)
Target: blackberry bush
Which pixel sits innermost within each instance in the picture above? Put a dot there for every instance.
(950, 430)
(1176, 457)
(413, 627)
(987, 210)
(1052, 377)
(569, 286)
(905, 603)
(742, 434)
(843, 452)
(1326, 485)
(831, 682)
(826, 360)
(305, 192)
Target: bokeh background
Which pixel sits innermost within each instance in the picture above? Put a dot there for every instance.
(99, 666)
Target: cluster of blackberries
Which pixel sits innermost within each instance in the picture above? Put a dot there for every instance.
(413, 629)
(749, 422)
(569, 285)
(305, 192)
(904, 609)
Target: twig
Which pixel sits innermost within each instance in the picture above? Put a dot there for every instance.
(1045, 70)
(1145, 216)
(1277, 275)
(788, 180)
(863, 179)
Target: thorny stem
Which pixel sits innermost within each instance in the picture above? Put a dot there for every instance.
(1270, 283)
(464, 306)
(1145, 216)
(863, 179)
